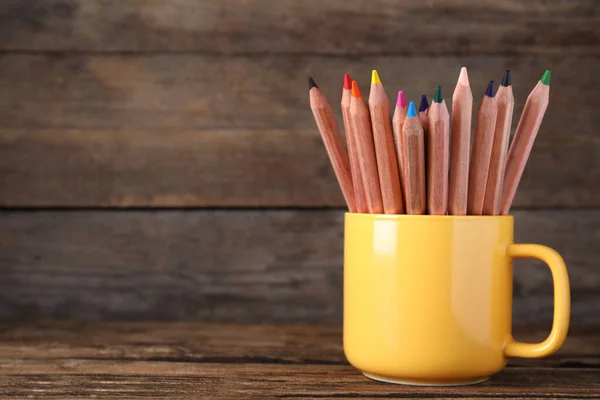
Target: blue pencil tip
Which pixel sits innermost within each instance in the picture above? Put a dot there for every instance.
(490, 89)
(412, 111)
(424, 105)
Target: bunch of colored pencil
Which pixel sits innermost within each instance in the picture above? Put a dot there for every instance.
(424, 162)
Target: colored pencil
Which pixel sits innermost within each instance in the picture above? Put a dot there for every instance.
(424, 119)
(413, 146)
(397, 124)
(399, 115)
(424, 113)
(359, 191)
(334, 143)
(505, 103)
(385, 152)
(361, 125)
(527, 130)
(482, 150)
(438, 155)
(462, 110)
(413, 162)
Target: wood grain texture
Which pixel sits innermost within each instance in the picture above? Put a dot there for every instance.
(131, 379)
(208, 91)
(119, 379)
(148, 114)
(166, 168)
(271, 26)
(236, 265)
(136, 360)
(217, 342)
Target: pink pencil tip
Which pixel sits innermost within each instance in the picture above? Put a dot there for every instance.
(401, 102)
(463, 78)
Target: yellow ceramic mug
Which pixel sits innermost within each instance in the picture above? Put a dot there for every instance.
(428, 299)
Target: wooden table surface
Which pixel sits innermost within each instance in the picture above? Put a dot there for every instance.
(76, 360)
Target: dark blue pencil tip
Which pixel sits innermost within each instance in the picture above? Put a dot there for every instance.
(412, 111)
(490, 89)
(311, 83)
(424, 105)
(506, 78)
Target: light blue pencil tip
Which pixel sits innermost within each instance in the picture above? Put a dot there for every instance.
(412, 110)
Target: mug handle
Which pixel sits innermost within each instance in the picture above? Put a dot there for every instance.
(562, 302)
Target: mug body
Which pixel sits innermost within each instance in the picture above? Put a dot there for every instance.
(427, 299)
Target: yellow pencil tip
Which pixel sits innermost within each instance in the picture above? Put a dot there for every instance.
(375, 78)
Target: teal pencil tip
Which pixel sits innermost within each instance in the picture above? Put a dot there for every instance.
(412, 110)
(438, 95)
(546, 77)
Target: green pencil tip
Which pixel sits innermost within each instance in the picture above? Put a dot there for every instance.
(438, 95)
(546, 77)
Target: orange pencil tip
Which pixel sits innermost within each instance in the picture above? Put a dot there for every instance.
(355, 90)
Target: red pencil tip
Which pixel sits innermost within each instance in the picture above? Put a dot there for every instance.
(347, 82)
(355, 90)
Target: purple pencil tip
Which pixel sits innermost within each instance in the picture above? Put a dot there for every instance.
(424, 104)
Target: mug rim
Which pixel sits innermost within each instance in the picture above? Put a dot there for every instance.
(429, 217)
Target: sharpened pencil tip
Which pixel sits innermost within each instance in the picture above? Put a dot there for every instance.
(311, 83)
(412, 111)
(546, 77)
(463, 78)
(401, 102)
(438, 98)
(506, 78)
(347, 82)
(375, 78)
(356, 90)
(424, 104)
(489, 92)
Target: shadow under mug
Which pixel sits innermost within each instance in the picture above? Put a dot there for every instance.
(428, 299)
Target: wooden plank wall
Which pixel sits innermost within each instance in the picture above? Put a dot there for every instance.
(158, 159)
